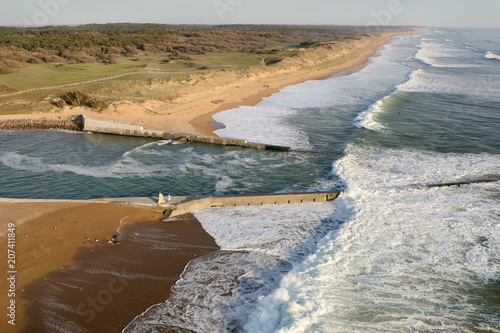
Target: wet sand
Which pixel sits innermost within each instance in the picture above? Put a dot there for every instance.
(71, 278)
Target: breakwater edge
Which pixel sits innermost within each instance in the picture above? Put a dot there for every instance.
(70, 123)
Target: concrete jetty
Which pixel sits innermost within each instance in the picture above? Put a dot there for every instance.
(248, 200)
(179, 205)
(106, 127)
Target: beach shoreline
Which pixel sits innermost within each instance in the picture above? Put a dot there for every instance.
(193, 113)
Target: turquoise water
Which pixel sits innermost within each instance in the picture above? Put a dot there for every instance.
(425, 109)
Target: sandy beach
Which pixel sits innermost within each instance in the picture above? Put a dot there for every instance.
(68, 273)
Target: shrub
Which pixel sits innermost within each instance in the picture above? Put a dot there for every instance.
(78, 98)
(75, 98)
(272, 60)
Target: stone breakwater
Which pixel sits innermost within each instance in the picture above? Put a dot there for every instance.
(71, 123)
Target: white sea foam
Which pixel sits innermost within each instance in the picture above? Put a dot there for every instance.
(492, 56)
(266, 122)
(402, 257)
(271, 228)
(213, 294)
(468, 47)
(393, 167)
(484, 86)
(122, 223)
(395, 266)
(140, 148)
(233, 171)
(216, 293)
(438, 54)
(122, 168)
(258, 244)
(262, 125)
(147, 161)
(422, 56)
(365, 119)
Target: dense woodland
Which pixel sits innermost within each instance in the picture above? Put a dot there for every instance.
(92, 43)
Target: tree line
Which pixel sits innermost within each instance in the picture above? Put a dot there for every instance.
(93, 42)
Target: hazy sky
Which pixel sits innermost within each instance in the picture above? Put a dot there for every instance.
(455, 13)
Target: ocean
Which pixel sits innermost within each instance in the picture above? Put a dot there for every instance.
(383, 257)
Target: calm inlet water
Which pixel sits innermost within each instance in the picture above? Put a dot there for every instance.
(426, 109)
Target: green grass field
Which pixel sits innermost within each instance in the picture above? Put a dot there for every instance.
(128, 78)
(48, 75)
(52, 74)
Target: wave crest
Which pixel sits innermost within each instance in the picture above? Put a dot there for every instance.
(492, 56)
